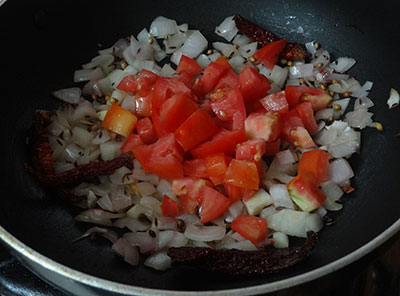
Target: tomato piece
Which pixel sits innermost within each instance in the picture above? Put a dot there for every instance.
(195, 168)
(119, 121)
(189, 66)
(142, 154)
(211, 75)
(174, 111)
(304, 191)
(276, 103)
(223, 61)
(242, 173)
(315, 161)
(145, 130)
(229, 80)
(253, 150)
(143, 105)
(198, 127)
(213, 205)
(253, 85)
(318, 98)
(272, 148)
(265, 126)
(127, 84)
(236, 193)
(189, 192)
(269, 54)
(187, 79)
(254, 106)
(165, 88)
(224, 141)
(216, 167)
(155, 118)
(252, 228)
(306, 114)
(301, 138)
(228, 105)
(290, 121)
(168, 145)
(169, 207)
(141, 85)
(132, 141)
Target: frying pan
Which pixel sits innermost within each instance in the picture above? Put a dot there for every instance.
(43, 42)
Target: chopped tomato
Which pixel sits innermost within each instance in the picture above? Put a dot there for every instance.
(228, 105)
(276, 103)
(242, 173)
(229, 80)
(198, 127)
(189, 192)
(132, 141)
(318, 98)
(223, 61)
(195, 168)
(254, 106)
(213, 205)
(119, 120)
(216, 167)
(127, 84)
(224, 141)
(306, 114)
(269, 54)
(155, 118)
(174, 111)
(143, 154)
(272, 148)
(252, 150)
(301, 138)
(290, 121)
(252, 228)
(187, 79)
(143, 105)
(236, 193)
(305, 192)
(165, 88)
(141, 85)
(211, 75)
(189, 66)
(145, 130)
(265, 126)
(315, 161)
(253, 85)
(169, 207)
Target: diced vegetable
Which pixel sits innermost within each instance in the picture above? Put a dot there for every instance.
(252, 228)
(242, 173)
(316, 162)
(257, 202)
(169, 207)
(268, 55)
(119, 120)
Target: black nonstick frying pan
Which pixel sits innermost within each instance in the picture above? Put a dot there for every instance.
(43, 42)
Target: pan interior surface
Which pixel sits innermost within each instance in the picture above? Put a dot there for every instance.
(45, 41)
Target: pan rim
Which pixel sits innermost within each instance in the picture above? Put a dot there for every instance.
(124, 289)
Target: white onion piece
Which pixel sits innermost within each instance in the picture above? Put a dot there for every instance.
(174, 42)
(342, 64)
(394, 99)
(118, 95)
(241, 40)
(244, 245)
(141, 64)
(179, 240)
(281, 240)
(193, 46)
(104, 85)
(145, 188)
(286, 157)
(116, 76)
(105, 203)
(127, 251)
(158, 261)
(162, 26)
(102, 137)
(302, 70)
(343, 149)
(153, 204)
(120, 199)
(340, 171)
(343, 85)
(363, 102)
(310, 47)
(295, 223)
(322, 59)
(267, 212)
(133, 225)
(128, 103)
(238, 63)
(103, 61)
(167, 71)
(227, 49)
(146, 52)
(70, 95)
(166, 223)
(97, 216)
(117, 48)
(110, 150)
(363, 91)
(233, 211)
(360, 118)
(143, 240)
(227, 29)
(203, 60)
(343, 103)
(190, 219)
(88, 74)
(278, 75)
(84, 110)
(248, 50)
(72, 152)
(204, 233)
(333, 193)
(280, 196)
(324, 114)
(60, 167)
(335, 76)
(165, 238)
(165, 188)
(82, 137)
(257, 202)
(214, 56)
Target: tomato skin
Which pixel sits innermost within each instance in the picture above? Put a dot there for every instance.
(276, 103)
(216, 167)
(269, 54)
(265, 126)
(141, 85)
(195, 168)
(174, 111)
(290, 121)
(169, 207)
(304, 191)
(211, 75)
(236, 193)
(318, 98)
(165, 88)
(224, 141)
(127, 84)
(315, 161)
(119, 120)
(155, 118)
(242, 173)
(189, 191)
(213, 204)
(142, 154)
(306, 114)
(228, 80)
(198, 127)
(188, 65)
(228, 105)
(253, 85)
(252, 228)
(272, 148)
(132, 141)
(145, 130)
(301, 138)
(223, 61)
(251, 150)
(143, 105)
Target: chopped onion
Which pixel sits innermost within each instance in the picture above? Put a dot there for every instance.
(340, 171)
(88, 74)
(244, 245)
(97, 216)
(162, 26)
(241, 40)
(310, 46)
(322, 59)
(193, 46)
(127, 251)
(110, 150)
(102, 137)
(117, 48)
(119, 197)
(166, 223)
(280, 196)
(146, 188)
(128, 103)
(281, 240)
(214, 56)
(324, 114)
(363, 102)
(394, 99)
(268, 211)
(143, 240)
(70, 95)
(360, 118)
(227, 49)
(238, 63)
(278, 75)
(233, 211)
(82, 137)
(343, 103)
(333, 193)
(248, 50)
(84, 110)
(133, 225)
(167, 71)
(158, 261)
(286, 157)
(227, 29)
(153, 204)
(363, 91)
(203, 60)
(342, 64)
(302, 70)
(204, 233)
(190, 219)
(105, 203)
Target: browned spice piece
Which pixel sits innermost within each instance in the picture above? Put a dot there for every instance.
(234, 261)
